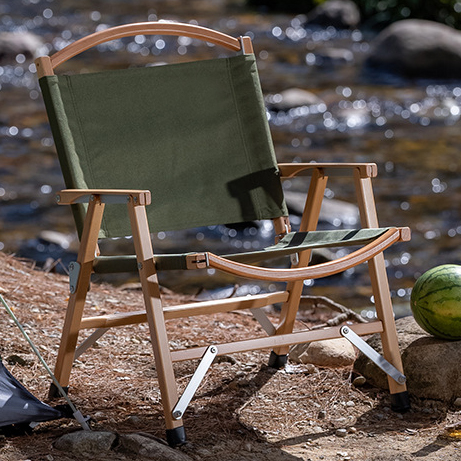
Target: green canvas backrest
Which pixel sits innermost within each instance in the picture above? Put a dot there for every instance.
(195, 134)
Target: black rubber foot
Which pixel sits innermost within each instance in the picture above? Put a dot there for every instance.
(277, 361)
(53, 393)
(400, 402)
(176, 437)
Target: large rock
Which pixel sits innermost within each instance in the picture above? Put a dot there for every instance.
(14, 43)
(333, 353)
(292, 97)
(150, 448)
(341, 14)
(417, 48)
(431, 365)
(86, 443)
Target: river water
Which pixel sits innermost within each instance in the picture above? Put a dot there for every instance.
(411, 129)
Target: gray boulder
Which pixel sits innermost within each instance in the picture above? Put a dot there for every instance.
(292, 97)
(150, 448)
(341, 14)
(86, 443)
(14, 43)
(431, 365)
(417, 48)
(332, 353)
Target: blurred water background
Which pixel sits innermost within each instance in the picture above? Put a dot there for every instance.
(410, 128)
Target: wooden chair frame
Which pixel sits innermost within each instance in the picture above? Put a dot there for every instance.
(155, 313)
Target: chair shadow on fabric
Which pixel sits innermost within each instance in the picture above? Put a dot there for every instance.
(243, 190)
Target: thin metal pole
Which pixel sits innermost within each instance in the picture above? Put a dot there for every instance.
(77, 414)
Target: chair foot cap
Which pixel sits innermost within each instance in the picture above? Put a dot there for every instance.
(176, 437)
(277, 361)
(400, 402)
(53, 393)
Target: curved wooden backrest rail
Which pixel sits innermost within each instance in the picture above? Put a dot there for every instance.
(320, 270)
(144, 28)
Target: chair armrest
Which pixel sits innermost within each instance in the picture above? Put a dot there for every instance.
(366, 170)
(71, 196)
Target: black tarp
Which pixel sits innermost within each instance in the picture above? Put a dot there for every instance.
(18, 405)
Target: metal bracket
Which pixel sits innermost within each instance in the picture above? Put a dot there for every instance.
(378, 359)
(197, 261)
(194, 383)
(263, 320)
(88, 342)
(74, 271)
(294, 258)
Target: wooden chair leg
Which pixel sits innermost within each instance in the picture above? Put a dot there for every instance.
(380, 285)
(309, 222)
(74, 313)
(155, 317)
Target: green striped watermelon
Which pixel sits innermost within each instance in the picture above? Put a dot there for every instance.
(436, 301)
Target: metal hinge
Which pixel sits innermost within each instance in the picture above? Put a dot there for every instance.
(197, 261)
(74, 271)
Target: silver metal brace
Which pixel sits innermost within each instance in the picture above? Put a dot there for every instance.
(263, 320)
(378, 359)
(194, 383)
(74, 271)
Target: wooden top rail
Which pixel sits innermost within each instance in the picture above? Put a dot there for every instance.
(45, 65)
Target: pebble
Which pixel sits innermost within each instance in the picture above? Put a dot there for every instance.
(359, 381)
(341, 432)
(457, 402)
(322, 414)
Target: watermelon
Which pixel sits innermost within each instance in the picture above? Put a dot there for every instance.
(436, 301)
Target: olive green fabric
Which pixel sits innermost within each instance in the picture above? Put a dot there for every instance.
(194, 134)
(293, 242)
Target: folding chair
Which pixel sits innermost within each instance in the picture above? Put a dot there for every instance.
(187, 145)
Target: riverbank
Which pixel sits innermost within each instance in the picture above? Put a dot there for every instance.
(242, 411)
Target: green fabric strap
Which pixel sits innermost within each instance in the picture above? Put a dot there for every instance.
(293, 242)
(194, 134)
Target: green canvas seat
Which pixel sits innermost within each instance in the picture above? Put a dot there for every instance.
(186, 145)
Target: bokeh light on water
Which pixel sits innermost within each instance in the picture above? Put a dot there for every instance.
(409, 128)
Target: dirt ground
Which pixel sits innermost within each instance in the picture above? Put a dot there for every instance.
(242, 411)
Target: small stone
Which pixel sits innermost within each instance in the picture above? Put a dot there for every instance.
(457, 402)
(359, 381)
(133, 419)
(322, 414)
(17, 360)
(248, 447)
(352, 430)
(350, 403)
(311, 369)
(341, 432)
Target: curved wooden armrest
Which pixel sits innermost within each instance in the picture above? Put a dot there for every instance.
(366, 170)
(45, 65)
(320, 270)
(70, 196)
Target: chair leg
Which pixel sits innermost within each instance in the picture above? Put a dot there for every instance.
(74, 313)
(400, 401)
(175, 432)
(318, 183)
(399, 396)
